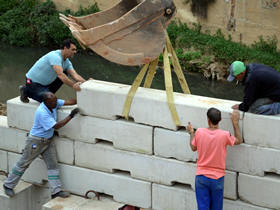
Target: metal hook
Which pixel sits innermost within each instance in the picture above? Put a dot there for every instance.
(96, 194)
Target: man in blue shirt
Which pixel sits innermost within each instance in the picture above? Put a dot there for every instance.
(50, 72)
(262, 87)
(39, 141)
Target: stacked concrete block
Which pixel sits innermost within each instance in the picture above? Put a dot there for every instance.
(173, 144)
(3, 161)
(253, 160)
(261, 191)
(11, 139)
(182, 198)
(145, 162)
(20, 201)
(123, 134)
(262, 130)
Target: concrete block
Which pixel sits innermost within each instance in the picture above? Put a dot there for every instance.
(262, 130)
(122, 187)
(253, 160)
(239, 205)
(104, 157)
(11, 139)
(173, 144)
(21, 200)
(76, 202)
(181, 197)
(145, 167)
(175, 197)
(261, 191)
(21, 115)
(39, 196)
(123, 134)
(3, 160)
(106, 100)
(65, 150)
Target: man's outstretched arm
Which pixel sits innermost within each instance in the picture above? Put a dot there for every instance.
(63, 122)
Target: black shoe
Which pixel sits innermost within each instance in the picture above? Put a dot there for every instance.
(8, 191)
(62, 194)
(23, 98)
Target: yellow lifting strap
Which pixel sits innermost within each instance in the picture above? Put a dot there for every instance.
(177, 66)
(169, 88)
(151, 73)
(168, 52)
(132, 91)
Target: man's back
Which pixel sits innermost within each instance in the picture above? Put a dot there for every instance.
(211, 148)
(266, 81)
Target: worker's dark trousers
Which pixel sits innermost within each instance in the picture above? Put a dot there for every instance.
(265, 106)
(33, 148)
(35, 90)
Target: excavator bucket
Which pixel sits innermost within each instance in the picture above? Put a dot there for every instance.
(130, 33)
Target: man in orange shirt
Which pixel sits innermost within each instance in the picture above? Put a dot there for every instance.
(211, 145)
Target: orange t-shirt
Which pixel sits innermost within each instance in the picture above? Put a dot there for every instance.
(212, 150)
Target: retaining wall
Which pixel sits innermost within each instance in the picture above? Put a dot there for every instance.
(147, 162)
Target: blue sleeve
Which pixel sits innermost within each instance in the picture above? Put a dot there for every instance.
(46, 121)
(54, 59)
(60, 103)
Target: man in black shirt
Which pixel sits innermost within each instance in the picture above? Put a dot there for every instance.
(262, 87)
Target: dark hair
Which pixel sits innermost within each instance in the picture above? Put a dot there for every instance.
(46, 95)
(214, 115)
(66, 43)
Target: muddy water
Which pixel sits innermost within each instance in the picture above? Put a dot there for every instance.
(15, 62)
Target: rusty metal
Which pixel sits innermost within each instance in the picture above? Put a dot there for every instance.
(96, 194)
(130, 33)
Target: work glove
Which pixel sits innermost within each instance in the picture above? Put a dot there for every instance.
(74, 112)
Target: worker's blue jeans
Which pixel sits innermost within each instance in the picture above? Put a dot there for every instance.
(35, 90)
(209, 193)
(265, 106)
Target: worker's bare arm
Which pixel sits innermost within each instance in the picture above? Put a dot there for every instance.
(190, 130)
(76, 76)
(63, 77)
(235, 116)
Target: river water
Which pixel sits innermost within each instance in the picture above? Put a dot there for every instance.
(15, 62)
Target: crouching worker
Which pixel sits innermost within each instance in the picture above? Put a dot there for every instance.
(39, 142)
(211, 144)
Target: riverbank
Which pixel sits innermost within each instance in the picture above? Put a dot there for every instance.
(3, 109)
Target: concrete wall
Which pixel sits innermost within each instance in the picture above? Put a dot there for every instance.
(147, 161)
(244, 20)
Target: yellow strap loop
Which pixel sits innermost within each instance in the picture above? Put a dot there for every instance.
(151, 73)
(177, 67)
(132, 91)
(169, 88)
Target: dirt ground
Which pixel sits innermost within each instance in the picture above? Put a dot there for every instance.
(3, 109)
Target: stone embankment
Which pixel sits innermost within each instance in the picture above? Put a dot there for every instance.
(146, 161)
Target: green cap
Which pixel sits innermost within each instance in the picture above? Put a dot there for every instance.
(238, 67)
(235, 68)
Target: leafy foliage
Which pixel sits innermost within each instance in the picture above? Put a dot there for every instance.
(224, 50)
(33, 23)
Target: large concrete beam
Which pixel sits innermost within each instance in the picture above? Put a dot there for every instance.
(149, 106)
